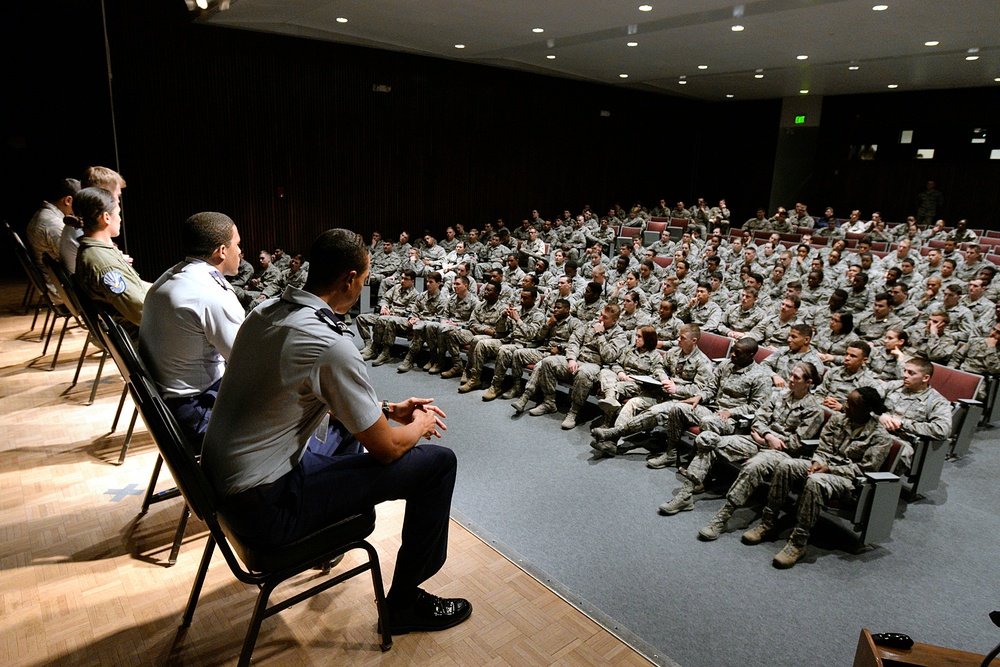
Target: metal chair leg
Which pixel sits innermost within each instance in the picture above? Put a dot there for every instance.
(179, 535)
(79, 364)
(121, 404)
(258, 617)
(97, 381)
(199, 581)
(62, 334)
(52, 329)
(128, 437)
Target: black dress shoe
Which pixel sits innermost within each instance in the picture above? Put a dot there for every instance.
(429, 613)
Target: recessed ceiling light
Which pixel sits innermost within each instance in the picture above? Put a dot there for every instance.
(893, 86)
(974, 49)
(804, 91)
(702, 66)
(683, 82)
(758, 76)
(341, 19)
(880, 8)
(972, 57)
(854, 68)
(538, 30)
(645, 8)
(737, 28)
(632, 44)
(202, 4)
(683, 76)
(729, 96)
(460, 46)
(933, 42)
(550, 57)
(997, 79)
(802, 57)
(623, 76)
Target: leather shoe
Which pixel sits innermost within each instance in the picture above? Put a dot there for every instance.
(429, 613)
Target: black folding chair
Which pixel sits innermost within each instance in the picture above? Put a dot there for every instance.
(89, 310)
(55, 311)
(262, 566)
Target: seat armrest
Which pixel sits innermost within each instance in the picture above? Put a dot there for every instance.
(809, 446)
(971, 402)
(877, 477)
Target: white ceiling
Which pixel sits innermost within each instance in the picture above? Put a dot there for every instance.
(588, 39)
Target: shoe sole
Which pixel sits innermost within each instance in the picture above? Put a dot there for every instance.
(427, 627)
(707, 537)
(664, 510)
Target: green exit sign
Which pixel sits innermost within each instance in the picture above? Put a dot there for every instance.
(800, 120)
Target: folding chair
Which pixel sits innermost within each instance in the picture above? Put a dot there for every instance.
(961, 389)
(55, 311)
(262, 566)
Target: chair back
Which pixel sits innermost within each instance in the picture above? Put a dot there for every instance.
(35, 274)
(762, 354)
(714, 346)
(955, 385)
(64, 289)
(655, 225)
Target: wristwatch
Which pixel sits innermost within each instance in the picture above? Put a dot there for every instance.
(385, 408)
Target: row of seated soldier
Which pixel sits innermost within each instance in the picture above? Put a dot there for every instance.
(602, 316)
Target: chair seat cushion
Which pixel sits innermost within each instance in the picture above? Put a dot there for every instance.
(313, 548)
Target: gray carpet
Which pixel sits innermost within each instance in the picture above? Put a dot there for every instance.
(592, 527)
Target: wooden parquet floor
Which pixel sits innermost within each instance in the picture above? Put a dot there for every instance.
(83, 580)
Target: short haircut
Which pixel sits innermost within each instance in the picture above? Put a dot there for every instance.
(752, 291)
(65, 187)
(692, 329)
(846, 322)
(571, 264)
(613, 310)
(951, 261)
(803, 329)
(863, 277)
(748, 344)
(564, 301)
(462, 279)
(90, 204)
(545, 262)
(716, 274)
(866, 349)
(943, 315)
(203, 233)
(955, 289)
(884, 296)
(102, 177)
(333, 254)
(795, 285)
(796, 301)
(841, 293)
(924, 367)
(435, 276)
(532, 290)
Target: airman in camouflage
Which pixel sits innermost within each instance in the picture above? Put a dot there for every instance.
(517, 328)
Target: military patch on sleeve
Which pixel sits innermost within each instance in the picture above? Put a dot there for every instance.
(115, 281)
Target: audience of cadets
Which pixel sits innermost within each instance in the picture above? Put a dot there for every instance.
(871, 325)
(563, 290)
(385, 262)
(589, 307)
(851, 443)
(914, 408)
(429, 306)
(265, 283)
(621, 380)
(789, 417)
(591, 347)
(484, 321)
(667, 325)
(798, 350)
(190, 319)
(397, 300)
(736, 389)
(701, 310)
(102, 271)
(517, 328)
(243, 275)
(457, 313)
(774, 330)
(978, 355)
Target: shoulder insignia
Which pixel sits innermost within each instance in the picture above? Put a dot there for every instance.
(115, 281)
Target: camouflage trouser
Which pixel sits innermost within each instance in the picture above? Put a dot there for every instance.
(365, 323)
(675, 418)
(387, 327)
(432, 333)
(753, 474)
(709, 445)
(816, 489)
(507, 358)
(623, 390)
(522, 358)
(454, 339)
(483, 349)
(420, 336)
(635, 407)
(554, 368)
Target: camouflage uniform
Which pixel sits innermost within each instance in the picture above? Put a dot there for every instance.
(937, 347)
(740, 320)
(509, 337)
(588, 312)
(884, 365)
(848, 450)
(667, 331)
(591, 351)
(632, 322)
(708, 317)
(784, 360)
(838, 382)
(741, 391)
(691, 374)
(868, 328)
(427, 308)
(552, 336)
(633, 362)
(977, 357)
(923, 413)
(433, 332)
(397, 300)
(790, 419)
(774, 332)
(484, 317)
